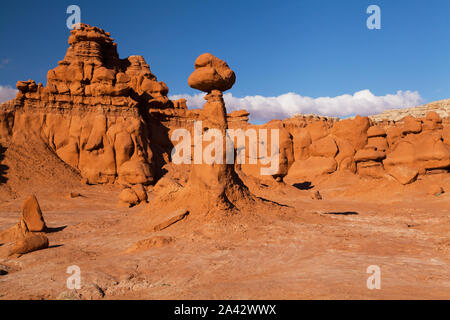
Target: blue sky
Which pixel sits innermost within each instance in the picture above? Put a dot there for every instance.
(313, 48)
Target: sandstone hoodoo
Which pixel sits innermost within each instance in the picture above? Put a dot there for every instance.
(213, 186)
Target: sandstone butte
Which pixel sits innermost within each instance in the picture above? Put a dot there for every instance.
(110, 119)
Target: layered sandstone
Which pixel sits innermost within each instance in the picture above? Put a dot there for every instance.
(93, 111)
(442, 108)
(401, 149)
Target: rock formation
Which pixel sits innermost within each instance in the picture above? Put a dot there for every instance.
(29, 234)
(110, 120)
(442, 108)
(210, 74)
(29, 243)
(32, 215)
(216, 185)
(400, 149)
(93, 111)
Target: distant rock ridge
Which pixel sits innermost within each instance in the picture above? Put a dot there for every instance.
(442, 108)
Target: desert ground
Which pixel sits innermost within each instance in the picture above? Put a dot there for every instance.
(309, 249)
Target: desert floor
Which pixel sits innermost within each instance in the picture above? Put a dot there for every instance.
(308, 250)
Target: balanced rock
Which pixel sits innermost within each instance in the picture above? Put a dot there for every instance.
(211, 73)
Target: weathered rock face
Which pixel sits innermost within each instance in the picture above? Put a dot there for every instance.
(284, 156)
(93, 112)
(402, 149)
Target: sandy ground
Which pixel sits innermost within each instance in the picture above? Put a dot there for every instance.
(308, 249)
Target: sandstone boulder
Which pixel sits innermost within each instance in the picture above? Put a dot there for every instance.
(140, 191)
(317, 129)
(402, 155)
(32, 215)
(380, 143)
(404, 175)
(166, 186)
(301, 141)
(411, 125)
(211, 73)
(128, 197)
(325, 147)
(353, 130)
(345, 158)
(431, 152)
(394, 135)
(135, 171)
(371, 168)
(169, 220)
(313, 166)
(369, 153)
(432, 121)
(30, 243)
(376, 131)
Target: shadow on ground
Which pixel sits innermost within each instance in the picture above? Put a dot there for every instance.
(345, 213)
(307, 185)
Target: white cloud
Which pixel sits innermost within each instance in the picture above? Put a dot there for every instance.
(284, 106)
(7, 93)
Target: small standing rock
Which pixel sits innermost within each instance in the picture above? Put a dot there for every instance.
(316, 195)
(32, 215)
